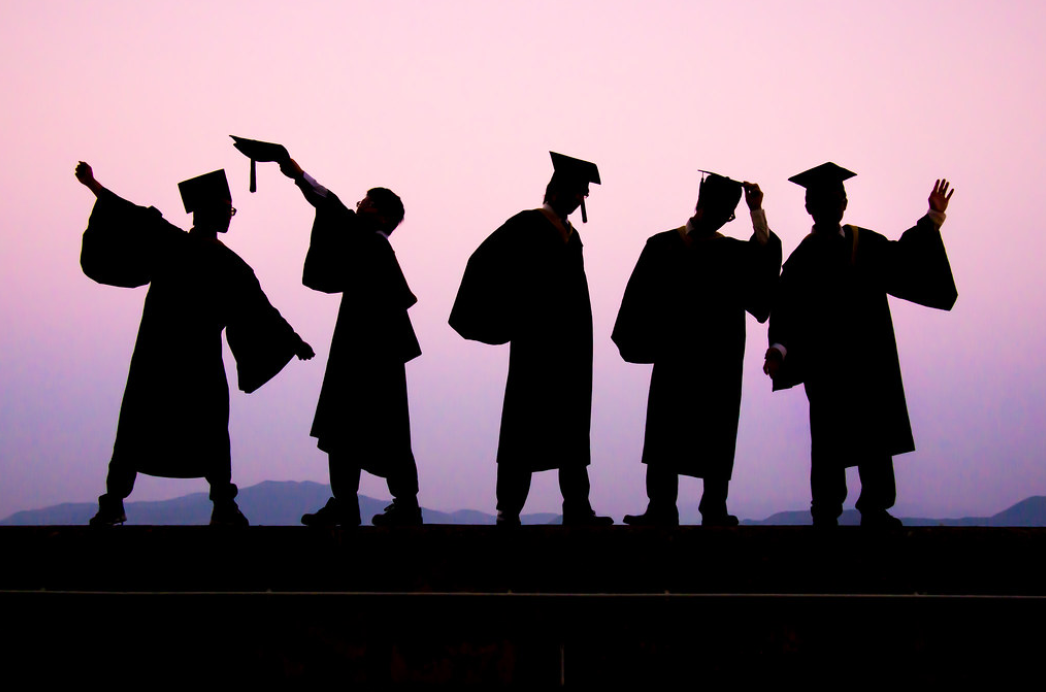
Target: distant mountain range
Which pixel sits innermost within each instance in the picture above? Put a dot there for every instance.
(271, 503)
(281, 503)
(1028, 512)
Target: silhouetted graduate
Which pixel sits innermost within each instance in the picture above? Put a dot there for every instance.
(684, 311)
(831, 331)
(526, 285)
(362, 420)
(174, 420)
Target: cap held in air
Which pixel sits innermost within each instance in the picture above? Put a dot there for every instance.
(257, 150)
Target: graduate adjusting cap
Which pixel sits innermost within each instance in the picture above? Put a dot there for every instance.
(203, 190)
(823, 176)
(574, 172)
(720, 189)
(259, 151)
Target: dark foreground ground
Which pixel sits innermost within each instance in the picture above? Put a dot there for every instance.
(537, 607)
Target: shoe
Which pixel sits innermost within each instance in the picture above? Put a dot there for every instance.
(880, 520)
(649, 518)
(589, 519)
(398, 514)
(110, 512)
(825, 523)
(331, 514)
(727, 520)
(227, 513)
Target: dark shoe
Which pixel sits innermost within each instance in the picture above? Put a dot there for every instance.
(398, 514)
(728, 520)
(825, 523)
(880, 520)
(331, 514)
(110, 512)
(649, 518)
(588, 519)
(227, 513)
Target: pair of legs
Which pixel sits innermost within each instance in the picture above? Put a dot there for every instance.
(662, 488)
(828, 490)
(345, 485)
(513, 486)
(344, 508)
(120, 482)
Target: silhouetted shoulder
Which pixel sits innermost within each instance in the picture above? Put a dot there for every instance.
(522, 226)
(665, 239)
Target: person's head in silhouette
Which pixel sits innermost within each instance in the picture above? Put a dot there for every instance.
(717, 199)
(825, 194)
(208, 199)
(568, 188)
(381, 210)
(826, 205)
(565, 196)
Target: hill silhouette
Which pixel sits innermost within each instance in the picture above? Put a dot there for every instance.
(269, 503)
(281, 503)
(1029, 512)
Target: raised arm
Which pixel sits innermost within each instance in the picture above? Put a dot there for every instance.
(86, 177)
(916, 267)
(312, 190)
(763, 258)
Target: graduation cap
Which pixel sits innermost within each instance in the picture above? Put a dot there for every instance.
(826, 176)
(259, 151)
(204, 190)
(718, 189)
(575, 173)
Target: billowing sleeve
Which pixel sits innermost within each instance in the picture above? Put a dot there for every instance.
(916, 267)
(328, 263)
(638, 331)
(762, 270)
(485, 306)
(123, 242)
(784, 318)
(260, 339)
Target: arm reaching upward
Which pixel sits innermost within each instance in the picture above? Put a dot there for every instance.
(86, 177)
(313, 191)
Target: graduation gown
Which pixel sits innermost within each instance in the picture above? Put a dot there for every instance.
(526, 287)
(684, 311)
(833, 318)
(363, 406)
(174, 419)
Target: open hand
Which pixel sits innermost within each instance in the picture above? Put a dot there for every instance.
(940, 195)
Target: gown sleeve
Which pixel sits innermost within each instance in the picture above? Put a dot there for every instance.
(637, 331)
(762, 271)
(261, 340)
(330, 247)
(122, 242)
(784, 318)
(916, 267)
(485, 307)
(343, 257)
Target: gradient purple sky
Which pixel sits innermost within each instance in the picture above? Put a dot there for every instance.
(455, 105)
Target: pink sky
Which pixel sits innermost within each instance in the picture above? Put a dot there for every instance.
(455, 105)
